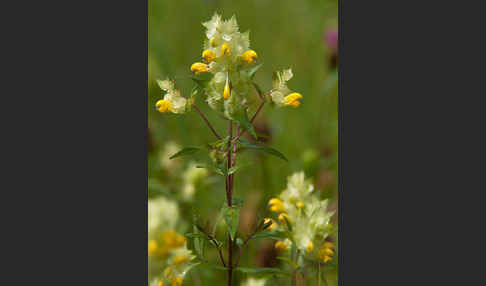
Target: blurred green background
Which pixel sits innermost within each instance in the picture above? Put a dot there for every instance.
(285, 34)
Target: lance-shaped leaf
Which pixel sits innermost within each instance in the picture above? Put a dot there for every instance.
(266, 149)
(231, 216)
(186, 151)
(241, 117)
(253, 70)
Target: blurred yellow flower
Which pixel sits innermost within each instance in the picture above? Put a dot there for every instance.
(276, 205)
(176, 281)
(326, 251)
(282, 218)
(272, 226)
(152, 247)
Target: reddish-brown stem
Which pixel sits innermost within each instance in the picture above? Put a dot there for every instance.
(251, 121)
(206, 120)
(229, 194)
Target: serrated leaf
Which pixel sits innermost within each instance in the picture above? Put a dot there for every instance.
(231, 216)
(266, 149)
(253, 70)
(184, 152)
(262, 270)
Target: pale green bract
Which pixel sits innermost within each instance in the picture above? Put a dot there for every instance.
(280, 89)
(226, 32)
(311, 223)
(173, 95)
(254, 282)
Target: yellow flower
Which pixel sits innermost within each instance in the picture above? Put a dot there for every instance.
(176, 281)
(300, 205)
(198, 68)
(281, 246)
(282, 218)
(163, 106)
(227, 90)
(172, 239)
(225, 50)
(208, 56)
(310, 247)
(326, 251)
(180, 259)
(249, 56)
(168, 272)
(293, 99)
(276, 205)
(160, 283)
(272, 226)
(152, 247)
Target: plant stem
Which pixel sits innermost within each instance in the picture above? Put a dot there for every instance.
(229, 195)
(207, 122)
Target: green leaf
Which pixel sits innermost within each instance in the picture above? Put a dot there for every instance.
(186, 151)
(213, 168)
(286, 259)
(231, 216)
(266, 235)
(266, 149)
(262, 270)
(253, 70)
(241, 117)
(201, 80)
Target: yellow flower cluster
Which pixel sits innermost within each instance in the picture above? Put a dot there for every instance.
(326, 251)
(169, 240)
(308, 216)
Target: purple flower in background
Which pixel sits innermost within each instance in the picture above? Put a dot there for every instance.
(331, 38)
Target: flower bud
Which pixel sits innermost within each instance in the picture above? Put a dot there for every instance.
(227, 90)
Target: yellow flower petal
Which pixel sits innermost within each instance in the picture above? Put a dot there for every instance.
(249, 56)
(198, 68)
(293, 99)
(208, 56)
(163, 106)
(225, 50)
(280, 246)
(310, 247)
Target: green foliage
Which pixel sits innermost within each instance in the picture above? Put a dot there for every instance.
(231, 216)
(185, 152)
(266, 149)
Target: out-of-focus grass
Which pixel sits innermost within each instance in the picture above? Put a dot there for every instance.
(285, 34)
